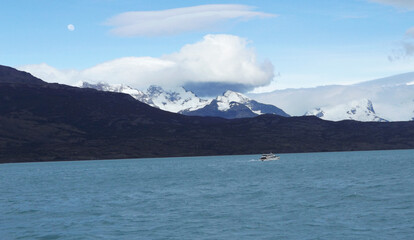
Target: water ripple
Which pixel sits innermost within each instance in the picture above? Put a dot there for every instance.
(357, 195)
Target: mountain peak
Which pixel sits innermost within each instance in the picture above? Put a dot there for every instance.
(229, 97)
(176, 100)
(359, 110)
(230, 105)
(235, 105)
(369, 105)
(235, 96)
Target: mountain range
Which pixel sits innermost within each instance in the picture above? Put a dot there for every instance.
(42, 121)
(386, 99)
(229, 105)
(391, 97)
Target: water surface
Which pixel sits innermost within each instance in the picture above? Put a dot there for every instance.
(349, 195)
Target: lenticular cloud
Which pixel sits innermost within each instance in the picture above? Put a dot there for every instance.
(179, 20)
(224, 60)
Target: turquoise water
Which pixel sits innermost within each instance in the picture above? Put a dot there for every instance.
(351, 195)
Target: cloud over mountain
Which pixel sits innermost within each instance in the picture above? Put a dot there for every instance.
(179, 20)
(216, 60)
(392, 98)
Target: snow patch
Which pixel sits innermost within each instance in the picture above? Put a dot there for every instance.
(228, 97)
(176, 100)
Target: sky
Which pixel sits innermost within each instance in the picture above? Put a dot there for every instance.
(208, 46)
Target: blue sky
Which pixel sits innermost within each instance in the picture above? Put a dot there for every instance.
(307, 43)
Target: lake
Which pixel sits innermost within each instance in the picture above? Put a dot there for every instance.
(343, 195)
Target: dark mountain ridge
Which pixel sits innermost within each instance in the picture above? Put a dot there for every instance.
(40, 121)
(236, 109)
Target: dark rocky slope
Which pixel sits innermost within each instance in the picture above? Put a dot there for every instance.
(51, 122)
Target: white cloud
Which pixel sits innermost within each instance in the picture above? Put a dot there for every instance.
(223, 59)
(403, 4)
(179, 20)
(51, 74)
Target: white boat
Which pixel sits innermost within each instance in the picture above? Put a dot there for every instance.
(269, 157)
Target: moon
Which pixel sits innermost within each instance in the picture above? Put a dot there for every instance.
(71, 27)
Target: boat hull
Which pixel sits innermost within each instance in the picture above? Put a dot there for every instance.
(270, 159)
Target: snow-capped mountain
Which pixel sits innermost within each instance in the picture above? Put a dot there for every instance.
(229, 105)
(135, 93)
(175, 100)
(360, 110)
(235, 110)
(235, 105)
(393, 98)
(172, 101)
